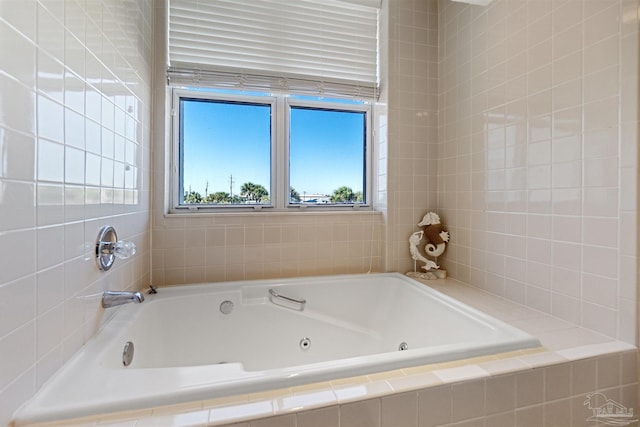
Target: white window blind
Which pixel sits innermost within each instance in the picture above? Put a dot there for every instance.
(318, 47)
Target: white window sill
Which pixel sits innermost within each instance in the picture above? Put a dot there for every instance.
(274, 213)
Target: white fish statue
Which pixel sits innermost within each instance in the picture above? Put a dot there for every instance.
(414, 241)
(436, 235)
(437, 238)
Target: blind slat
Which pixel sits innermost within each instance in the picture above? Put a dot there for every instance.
(311, 45)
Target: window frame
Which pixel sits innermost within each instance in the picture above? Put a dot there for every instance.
(279, 193)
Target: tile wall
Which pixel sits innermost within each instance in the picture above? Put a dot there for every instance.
(74, 155)
(267, 246)
(220, 247)
(411, 92)
(547, 396)
(538, 154)
(214, 249)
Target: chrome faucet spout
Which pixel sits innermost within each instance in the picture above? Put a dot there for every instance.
(115, 298)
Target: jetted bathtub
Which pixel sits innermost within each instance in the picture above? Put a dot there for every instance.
(204, 341)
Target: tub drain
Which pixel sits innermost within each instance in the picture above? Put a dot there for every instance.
(305, 343)
(403, 346)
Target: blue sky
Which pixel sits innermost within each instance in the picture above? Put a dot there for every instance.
(223, 140)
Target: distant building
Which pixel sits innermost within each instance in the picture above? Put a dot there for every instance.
(314, 198)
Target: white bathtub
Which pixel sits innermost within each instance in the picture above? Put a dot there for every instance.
(186, 349)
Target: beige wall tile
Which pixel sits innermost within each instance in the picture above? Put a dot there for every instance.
(281, 421)
(360, 414)
(399, 410)
(434, 406)
(561, 78)
(325, 417)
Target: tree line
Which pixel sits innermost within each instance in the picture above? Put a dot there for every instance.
(256, 193)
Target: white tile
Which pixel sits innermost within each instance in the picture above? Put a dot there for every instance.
(93, 172)
(17, 393)
(325, 417)
(558, 412)
(499, 394)
(399, 409)
(462, 373)
(45, 236)
(17, 205)
(608, 368)
(539, 226)
(541, 359)
(17, 351)
(242, 411)
(600, 143)
(602, 172)
(600, 290)
(434, 406)
(567, 256)
(278, 421)
(627, 325)
(567, 228)
(18, 154)
(608, 24)
(74, 165)
(413, 382)
(566, 307)
(468, 400)
(187, 419)
(74, 200)
(600, 202)
(17, 245)
(50, 330)
(569, 37)
(565, 281)
(363, 413)
(48, 365)
(50, 161)
(305, 401)
(503, 366)
(50, 120)
(539, 250)
(567, 175)
(600, 261)
(21, 56)
(17, 304)
(601, 84)
(541, 324)
(568, 68)
(538, 275)
(568, 338)
(353, 392)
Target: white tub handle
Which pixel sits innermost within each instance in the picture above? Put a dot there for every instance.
(300, 302)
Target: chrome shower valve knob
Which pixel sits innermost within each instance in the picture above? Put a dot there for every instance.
(124, 249)
(108, 248)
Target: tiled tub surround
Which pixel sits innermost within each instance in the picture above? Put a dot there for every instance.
(75, 99)
(566, 192)
(532, 388)
(538, 155)
(226, 247)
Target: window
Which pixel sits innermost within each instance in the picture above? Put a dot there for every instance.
(219, 142)
(248, 151)
(271, 103)
(327, 155)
